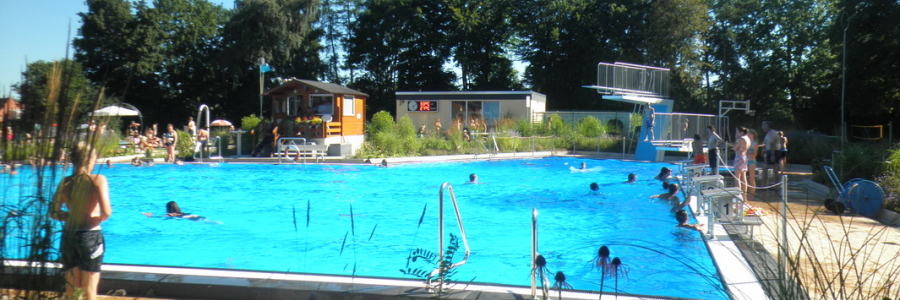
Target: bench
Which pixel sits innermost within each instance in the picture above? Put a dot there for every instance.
(315, 151)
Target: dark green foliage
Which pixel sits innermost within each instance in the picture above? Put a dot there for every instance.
(428, 260)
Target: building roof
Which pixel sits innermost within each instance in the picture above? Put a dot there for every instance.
(325, 87)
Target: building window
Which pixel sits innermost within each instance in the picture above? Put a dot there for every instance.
(294, 105)
(349, 105)
(322, 104)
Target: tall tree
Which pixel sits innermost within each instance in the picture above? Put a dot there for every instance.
(873, 58)
(335, 20)
(278, 31)
(33, 90)
(105, 43)
(480, 35)
(401, 45)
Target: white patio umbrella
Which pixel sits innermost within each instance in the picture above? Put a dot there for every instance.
(220, 123)
(113, 110)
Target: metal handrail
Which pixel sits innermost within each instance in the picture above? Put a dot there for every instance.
(829, 172)
(218, 148)
(279, 143)
(462, 231)
(534, 252)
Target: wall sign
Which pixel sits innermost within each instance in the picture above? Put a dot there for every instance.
(421, 106)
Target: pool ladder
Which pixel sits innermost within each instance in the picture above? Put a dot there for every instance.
(462, 234)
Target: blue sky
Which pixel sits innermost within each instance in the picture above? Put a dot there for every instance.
(32, 30)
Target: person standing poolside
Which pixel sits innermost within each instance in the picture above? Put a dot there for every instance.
(202, 140)
(697, 146)
(772, 146)
(751, 164)
(192, 127)
(170, 138)
(712, 153)
(649, 119)
(86, 199)
(740, 159)
(784, 142)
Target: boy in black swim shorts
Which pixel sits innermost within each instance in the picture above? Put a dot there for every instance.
(82, 202)
(82, 249)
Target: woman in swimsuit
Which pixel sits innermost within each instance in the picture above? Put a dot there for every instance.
(170, 138)
(751, 164)
(740, 159)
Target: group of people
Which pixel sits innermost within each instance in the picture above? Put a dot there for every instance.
(746, 148)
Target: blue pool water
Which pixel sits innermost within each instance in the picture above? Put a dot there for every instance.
(364, 220)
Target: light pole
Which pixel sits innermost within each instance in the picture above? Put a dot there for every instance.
(263, 68)
(846, 23)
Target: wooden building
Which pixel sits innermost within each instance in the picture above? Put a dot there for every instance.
(323, 113)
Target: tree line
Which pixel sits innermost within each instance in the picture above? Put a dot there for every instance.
(169, 56)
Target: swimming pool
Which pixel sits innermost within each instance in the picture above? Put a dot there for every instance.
(364, 220)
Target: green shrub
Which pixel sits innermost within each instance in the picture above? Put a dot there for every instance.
(590, 127)
(890, 180)
(250, 122)
(858, 161)
(185, 144)
(382, 121)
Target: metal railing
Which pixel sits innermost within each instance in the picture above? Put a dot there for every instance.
(625, 78)
(462, 233)
(282, 147)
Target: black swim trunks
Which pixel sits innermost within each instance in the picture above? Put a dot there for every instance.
(83, 249)
(774, 156)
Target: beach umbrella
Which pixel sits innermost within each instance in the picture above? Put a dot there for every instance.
(114, 110)
(220, 123)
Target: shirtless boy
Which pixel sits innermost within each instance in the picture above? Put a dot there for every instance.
(86, 201)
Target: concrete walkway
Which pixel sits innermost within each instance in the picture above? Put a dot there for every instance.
(828, 256)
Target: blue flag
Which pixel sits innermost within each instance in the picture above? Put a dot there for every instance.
(265, 68)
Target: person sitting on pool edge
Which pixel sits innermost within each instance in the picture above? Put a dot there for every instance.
(172, 210)
(595, 187)
(682, 217)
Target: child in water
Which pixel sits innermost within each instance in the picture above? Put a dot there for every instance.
(173, 211)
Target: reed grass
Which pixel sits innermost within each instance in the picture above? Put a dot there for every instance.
(825, 256)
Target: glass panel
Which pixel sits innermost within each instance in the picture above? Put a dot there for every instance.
(322, 104)
(459, 114)
(475, 116)
(349, 105)
(491, 113)
(294, 105)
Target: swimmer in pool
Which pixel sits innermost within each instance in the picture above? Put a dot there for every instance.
(632, 178)
(682, 217)
(664, 174)
(595, 187)
(473, 178)
(173, 211)
(584, 166)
